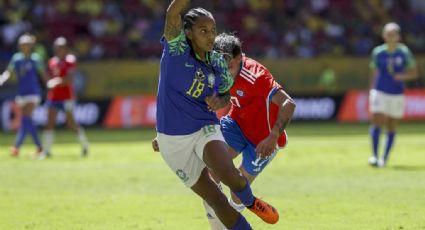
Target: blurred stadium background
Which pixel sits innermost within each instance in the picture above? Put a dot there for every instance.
(318, 50)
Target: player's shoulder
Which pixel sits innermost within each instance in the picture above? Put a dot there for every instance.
(379, 49)
(53, 60)
(71, 58)
(217, 58)
(176, 46)
(403, 48)
(17, 56)
(36, 57)
(253, 70)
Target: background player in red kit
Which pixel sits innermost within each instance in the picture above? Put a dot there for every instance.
(61, 95)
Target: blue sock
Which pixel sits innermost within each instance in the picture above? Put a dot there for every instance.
(245, 195)
(242, 224)
(22, 132)
(375, 132)
(390, 141)
(33, 131)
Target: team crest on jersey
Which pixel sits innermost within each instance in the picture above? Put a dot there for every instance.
(240, 93)
(199, 75)
(211, 80)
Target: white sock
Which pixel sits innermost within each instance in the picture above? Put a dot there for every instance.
(49, 136)
(81, 134)
(213, 220)
(237, 207)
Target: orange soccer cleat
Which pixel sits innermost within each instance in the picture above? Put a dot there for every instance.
(14, 152)
(265, 211)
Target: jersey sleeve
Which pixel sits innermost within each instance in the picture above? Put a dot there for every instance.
(71, 61)
(11, 65)
(226, 79)
(177, 46)
(411, 62)
(39, 64)
(266, 86)
(225, 76)
(373, 60)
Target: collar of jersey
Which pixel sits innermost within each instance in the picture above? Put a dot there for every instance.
(242, 61)
(207, 58)
(393, 51)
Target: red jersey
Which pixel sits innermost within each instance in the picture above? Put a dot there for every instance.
(61, 68)
(251, 107)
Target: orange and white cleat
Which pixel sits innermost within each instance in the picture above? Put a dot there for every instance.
(14, 152)
(265, 211)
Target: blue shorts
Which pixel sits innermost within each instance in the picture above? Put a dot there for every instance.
(65, 106)
(234, 138)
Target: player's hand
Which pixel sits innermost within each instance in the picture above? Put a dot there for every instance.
(155, 145)
(399, 77)
(52, 83)
(214, 102)
(267, 146)
(3, 77)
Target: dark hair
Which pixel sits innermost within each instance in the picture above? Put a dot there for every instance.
(229, 44)
(193, 14)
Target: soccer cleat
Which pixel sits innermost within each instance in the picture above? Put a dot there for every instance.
(382, 163)
(265, 211)
(373, 161)
(48, 154)
(85, 151)
(39, 154)
(14, 152)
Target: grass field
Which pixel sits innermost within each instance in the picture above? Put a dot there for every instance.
(321, 181)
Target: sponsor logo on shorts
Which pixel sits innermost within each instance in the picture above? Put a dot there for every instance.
(182, 175)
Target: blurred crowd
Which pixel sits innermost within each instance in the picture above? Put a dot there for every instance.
(99, 29)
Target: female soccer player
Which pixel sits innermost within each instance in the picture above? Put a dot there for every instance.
(187, 131)
(61, 95)
(392, 64)
(259, 113)
(27, 66)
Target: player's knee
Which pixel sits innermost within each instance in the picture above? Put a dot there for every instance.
(232, 178)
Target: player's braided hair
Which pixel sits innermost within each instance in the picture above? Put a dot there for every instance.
(228, 43)
(193, 14)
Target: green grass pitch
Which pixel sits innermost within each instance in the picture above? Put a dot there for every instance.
(321, 181)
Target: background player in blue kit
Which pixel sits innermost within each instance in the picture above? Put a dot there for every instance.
(187, 131)
(28, 67)
(392, 64)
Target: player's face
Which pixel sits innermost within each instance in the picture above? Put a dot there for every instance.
(234, 65)
(202, 34)
(26, 48)
(60, 51)
(391, 36)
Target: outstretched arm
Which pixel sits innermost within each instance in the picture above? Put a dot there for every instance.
(173, 21)
(4, 76)
(60, 81)
(286, 109)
